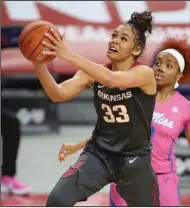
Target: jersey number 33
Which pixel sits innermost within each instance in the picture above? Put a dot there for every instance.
(121, 110)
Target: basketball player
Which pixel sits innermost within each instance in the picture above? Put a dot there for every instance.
(124, 98)
(171, 116)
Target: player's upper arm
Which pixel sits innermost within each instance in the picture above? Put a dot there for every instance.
(74, 86)
(187, 134)
(138, 76)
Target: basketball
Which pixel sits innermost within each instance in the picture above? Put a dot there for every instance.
(30, 41)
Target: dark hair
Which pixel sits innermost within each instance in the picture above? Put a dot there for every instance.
(182, 46)
(142, 23)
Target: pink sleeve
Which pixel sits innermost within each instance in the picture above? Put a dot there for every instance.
(187, 124)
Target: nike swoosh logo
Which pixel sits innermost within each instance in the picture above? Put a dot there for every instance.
(100, 86)
(131, 161)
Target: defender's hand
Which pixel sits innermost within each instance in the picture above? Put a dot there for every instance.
(67, 149)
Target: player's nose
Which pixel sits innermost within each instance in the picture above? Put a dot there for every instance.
(161, 69)
(115, 40)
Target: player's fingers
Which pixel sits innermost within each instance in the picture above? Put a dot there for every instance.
(63, 36)
(49, 53)
(67, 152)
(51, 46)
(59, 158)
(56, 36)
(62, 150)
(62, 156)
(52, 38)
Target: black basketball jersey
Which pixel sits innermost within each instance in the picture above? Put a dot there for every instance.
(124, 118)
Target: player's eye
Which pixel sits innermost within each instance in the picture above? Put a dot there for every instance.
(157, 63)
(169, 66)
(113, 35)
(124, 38)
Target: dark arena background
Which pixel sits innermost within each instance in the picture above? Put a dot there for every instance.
(45, 125)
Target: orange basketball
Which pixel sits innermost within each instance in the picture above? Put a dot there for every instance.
(30, 41)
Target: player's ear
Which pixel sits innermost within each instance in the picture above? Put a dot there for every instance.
(179, 76)
(137, 50)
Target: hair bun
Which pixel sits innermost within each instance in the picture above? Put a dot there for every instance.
(143, 21)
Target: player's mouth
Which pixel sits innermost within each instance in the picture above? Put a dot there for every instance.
(112, 49)
(159, 76)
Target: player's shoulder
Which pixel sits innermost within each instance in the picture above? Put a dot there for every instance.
(140, 63)
(183, 100)
(142, 66)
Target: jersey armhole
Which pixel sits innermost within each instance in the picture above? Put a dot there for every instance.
(91, 84)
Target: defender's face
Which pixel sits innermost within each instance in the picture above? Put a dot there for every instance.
(166, 69)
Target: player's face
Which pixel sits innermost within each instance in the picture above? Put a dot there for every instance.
(121, 45)
(166, 70)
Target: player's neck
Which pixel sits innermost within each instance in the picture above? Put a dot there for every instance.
(123, 65)
(164, 93)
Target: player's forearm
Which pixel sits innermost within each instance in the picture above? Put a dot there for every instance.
(187, 134)
(98, 72)
(82, 144)
(47, 81)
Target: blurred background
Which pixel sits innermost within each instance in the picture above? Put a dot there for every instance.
(45, 125)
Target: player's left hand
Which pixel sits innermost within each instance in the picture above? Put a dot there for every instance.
(58, 47)
(68, 149)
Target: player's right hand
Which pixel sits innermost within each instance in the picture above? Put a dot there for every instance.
(67, 149)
